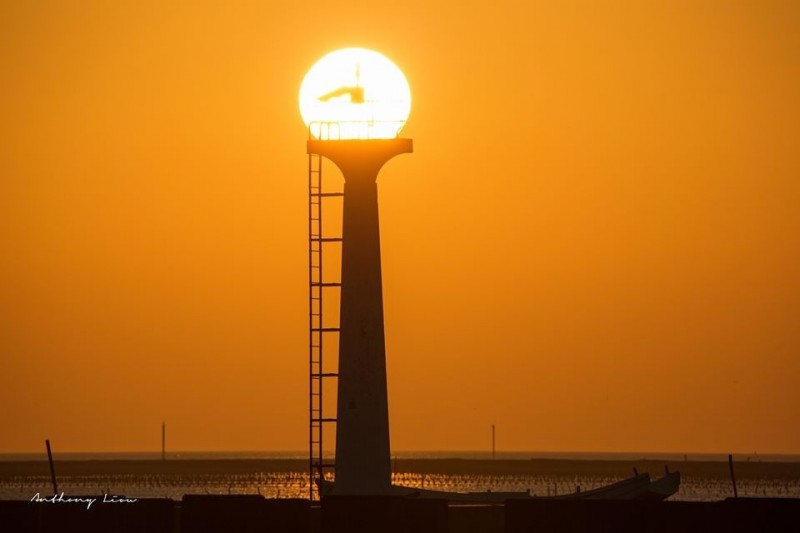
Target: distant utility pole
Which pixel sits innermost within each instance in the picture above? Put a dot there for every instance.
(493, 448)
(163, 441)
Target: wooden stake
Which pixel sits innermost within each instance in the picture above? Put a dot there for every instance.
(52, 467)
(733, 475)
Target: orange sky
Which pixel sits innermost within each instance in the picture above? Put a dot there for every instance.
(595, 246)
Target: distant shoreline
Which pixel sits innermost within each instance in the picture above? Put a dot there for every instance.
(431, 455)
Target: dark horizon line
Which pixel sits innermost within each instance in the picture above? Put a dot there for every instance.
(414, 454)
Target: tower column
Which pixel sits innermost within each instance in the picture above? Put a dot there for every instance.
(363, 460)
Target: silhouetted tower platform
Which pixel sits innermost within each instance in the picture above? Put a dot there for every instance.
(363, 461)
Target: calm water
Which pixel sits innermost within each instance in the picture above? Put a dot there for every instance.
(295, 484)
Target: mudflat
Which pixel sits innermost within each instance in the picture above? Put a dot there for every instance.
(538, 467)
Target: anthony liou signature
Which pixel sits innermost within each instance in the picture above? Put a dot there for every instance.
(61, 498)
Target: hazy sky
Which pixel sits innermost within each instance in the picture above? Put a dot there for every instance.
(595, 246)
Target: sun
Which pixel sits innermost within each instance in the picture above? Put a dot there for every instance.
(355, 93)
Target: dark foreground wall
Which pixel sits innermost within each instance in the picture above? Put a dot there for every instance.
(254, 514)
(743, 515)
(150, 515)
(384, 514)
(243, 514)
(194, 514)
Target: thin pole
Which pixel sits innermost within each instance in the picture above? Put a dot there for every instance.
(52, 467)
(733, 475)
(163, 441)
(493, 442)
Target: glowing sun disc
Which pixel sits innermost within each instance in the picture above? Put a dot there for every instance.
(355, 93)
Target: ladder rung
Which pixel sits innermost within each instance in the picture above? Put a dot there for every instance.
(327, 194)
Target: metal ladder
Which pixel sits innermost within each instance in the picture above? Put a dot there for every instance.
(318, 329)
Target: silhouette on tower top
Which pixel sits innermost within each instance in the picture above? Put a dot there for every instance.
(355, 92)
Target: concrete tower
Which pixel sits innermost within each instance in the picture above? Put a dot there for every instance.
(363, 463)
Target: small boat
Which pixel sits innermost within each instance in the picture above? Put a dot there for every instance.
(626, 489)
(662, 488)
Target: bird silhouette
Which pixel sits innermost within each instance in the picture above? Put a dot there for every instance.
(355, 92)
